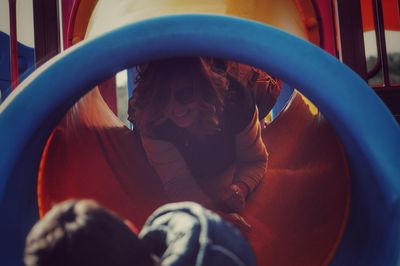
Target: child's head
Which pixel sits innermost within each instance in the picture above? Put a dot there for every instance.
(83, 233)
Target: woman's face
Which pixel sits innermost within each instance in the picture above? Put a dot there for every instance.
(183, 105)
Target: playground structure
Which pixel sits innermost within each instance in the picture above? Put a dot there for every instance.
(338, 209)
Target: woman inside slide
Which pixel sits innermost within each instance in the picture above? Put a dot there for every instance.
(195, 123)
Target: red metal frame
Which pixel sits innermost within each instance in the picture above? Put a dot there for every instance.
(324, 10)
(67, 7)
(350, 28)
(13, 44)
(45, 17)
(353, 51)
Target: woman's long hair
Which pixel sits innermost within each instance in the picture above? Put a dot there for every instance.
(153, 91)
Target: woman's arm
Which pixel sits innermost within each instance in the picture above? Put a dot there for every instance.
(251, 154)
(178, 182)
(251, 165)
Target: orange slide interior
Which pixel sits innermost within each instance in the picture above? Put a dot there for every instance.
(298, 213)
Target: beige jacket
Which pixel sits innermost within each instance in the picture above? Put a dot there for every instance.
(179, 183)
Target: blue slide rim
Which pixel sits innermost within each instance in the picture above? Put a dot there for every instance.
(343, 99)
(356, 113)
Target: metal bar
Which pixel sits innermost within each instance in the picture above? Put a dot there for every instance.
(380, 29)
(378, 64)
(13, 44)
(351, 35)
(46, 30)
(320, 26)
(60, 26)
(398, 5)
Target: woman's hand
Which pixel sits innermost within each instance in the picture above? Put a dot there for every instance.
(237, 220)
(234, 197)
